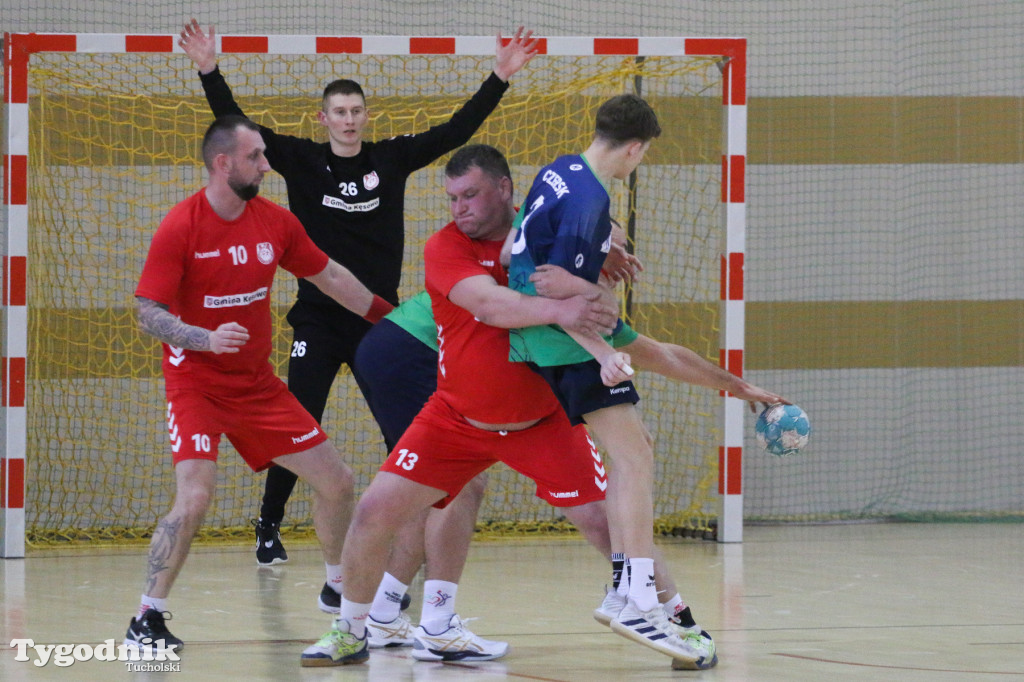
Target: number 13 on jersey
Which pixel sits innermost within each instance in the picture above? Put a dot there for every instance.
(406, 459)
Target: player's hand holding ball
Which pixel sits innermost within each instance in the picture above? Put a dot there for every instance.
(782, 429)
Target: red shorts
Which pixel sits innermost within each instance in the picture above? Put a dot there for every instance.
(441, 450)
(263, 422)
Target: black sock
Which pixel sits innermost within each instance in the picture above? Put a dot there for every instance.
(618, 563)
(280, 483)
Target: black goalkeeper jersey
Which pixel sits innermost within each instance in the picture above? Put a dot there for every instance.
(352, 207)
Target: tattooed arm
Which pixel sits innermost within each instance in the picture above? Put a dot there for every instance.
(156, 320)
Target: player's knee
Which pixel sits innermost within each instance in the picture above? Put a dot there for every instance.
(192, 503)
(338, 480)
(590, 518)
(376, 514)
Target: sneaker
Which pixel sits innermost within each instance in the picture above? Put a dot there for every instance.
(337, 647)
(611, 607)
(269, 550)
(456, 643)
(687, 664)
(150, 632)
(330, 601)
(651, 628)
(395, 633)
(684, 624)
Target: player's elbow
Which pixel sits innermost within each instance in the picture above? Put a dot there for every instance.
(489, 314)
(494, 312)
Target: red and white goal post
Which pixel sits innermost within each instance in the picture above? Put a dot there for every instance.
(19, 264)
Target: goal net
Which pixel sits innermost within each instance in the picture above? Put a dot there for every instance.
(113, 144)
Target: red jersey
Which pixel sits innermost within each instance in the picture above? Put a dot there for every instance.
(474, 374)
(209, 271)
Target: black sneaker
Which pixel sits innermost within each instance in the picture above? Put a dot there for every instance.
(150, 632)
(330, 601)
(269, 550)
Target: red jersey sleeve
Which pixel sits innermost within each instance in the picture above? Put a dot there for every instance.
(301, 257)
(165, 263)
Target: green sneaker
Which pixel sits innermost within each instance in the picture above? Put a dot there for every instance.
(337, 647)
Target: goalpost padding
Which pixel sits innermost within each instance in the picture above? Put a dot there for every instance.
(102, 139)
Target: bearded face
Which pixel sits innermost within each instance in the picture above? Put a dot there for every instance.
(244, 189)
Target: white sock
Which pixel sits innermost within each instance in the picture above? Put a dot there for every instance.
(148, 602)
(355, 614)
(334, 576)
(438, 605)
(387, 603)
(642, 589)
(672, 605)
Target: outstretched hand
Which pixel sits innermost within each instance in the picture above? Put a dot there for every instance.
(201, 47)
(512, 57)
(754, 395)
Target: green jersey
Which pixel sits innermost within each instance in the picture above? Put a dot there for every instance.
(416, 317)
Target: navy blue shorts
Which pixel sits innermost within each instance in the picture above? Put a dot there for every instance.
(580, 390)
(397, 373)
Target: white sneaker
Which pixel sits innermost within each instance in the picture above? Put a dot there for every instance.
(455, 643)
(395, 633)
(337, 647)
(651, 628)
(611, 606)
(686, 664)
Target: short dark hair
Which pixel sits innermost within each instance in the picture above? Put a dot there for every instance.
(220, 137)
(482, 156)
(626, 118)
(343, 86)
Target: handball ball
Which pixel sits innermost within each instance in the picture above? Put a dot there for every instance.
(782, 429)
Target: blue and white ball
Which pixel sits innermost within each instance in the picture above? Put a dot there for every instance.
(782, 429)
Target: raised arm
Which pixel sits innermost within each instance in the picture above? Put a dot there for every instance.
(514, 56)
(499, 306)
(156, 320)
(421, 149)
(201, 47)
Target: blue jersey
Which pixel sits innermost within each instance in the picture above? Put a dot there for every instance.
(564, 221)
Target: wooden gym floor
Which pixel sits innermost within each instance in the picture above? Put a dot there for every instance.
(900, 602)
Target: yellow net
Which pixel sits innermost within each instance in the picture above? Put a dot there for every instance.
(114, 144)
